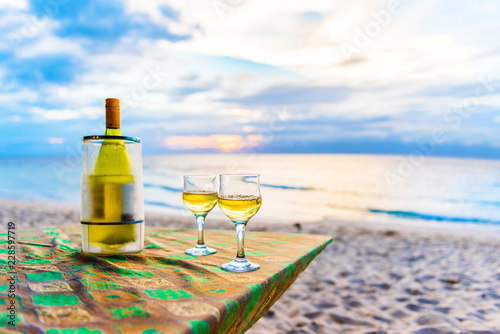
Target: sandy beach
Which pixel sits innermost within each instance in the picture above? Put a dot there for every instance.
(371, 279)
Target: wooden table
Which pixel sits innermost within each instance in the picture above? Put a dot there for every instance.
(61, 290)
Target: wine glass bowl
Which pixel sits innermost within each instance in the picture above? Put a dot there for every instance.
(240, 208)
(239, 200)
(200, 197)
(200, 202)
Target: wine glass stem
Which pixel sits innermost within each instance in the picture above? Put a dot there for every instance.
(200, 219)
(240, 234)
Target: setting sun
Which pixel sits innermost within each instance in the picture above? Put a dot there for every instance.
(223, 142)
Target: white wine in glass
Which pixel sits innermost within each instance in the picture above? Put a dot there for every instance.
(240, 208)
(239, 200)
(200, 202)
(200, 197)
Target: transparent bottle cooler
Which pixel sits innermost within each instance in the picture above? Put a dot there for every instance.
(112, 213)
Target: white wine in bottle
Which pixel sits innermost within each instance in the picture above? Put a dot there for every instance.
(112, 222)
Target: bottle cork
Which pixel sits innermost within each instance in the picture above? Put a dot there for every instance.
(112, 113)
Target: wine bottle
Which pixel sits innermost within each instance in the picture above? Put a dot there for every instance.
(110, 184)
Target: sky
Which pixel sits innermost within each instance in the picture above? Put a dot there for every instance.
(203, 76)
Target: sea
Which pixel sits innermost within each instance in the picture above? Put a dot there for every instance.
(372, 189)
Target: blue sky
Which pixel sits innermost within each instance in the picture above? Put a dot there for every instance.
(252, 76)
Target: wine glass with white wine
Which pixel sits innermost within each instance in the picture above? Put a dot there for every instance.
(200, 197)
(239, 200)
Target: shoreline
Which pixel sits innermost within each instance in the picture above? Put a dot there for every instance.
(327, 226)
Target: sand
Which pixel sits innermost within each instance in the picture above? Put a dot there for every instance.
(371, 279)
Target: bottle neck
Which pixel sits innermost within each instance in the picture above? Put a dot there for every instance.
(113, 132)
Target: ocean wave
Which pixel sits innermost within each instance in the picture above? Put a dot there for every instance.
(166, 205)
(285, 187)
(172, 189)
(468, 201)
(167, 188)
(423, 216)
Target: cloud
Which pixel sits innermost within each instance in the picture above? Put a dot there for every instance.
(14, 4)
(286, 95)
(55, 140)
(65, 114)
(226, 78)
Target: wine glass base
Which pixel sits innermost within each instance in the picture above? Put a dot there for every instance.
(200, 251)
(240, 266)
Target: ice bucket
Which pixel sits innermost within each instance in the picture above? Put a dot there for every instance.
(112, 212)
